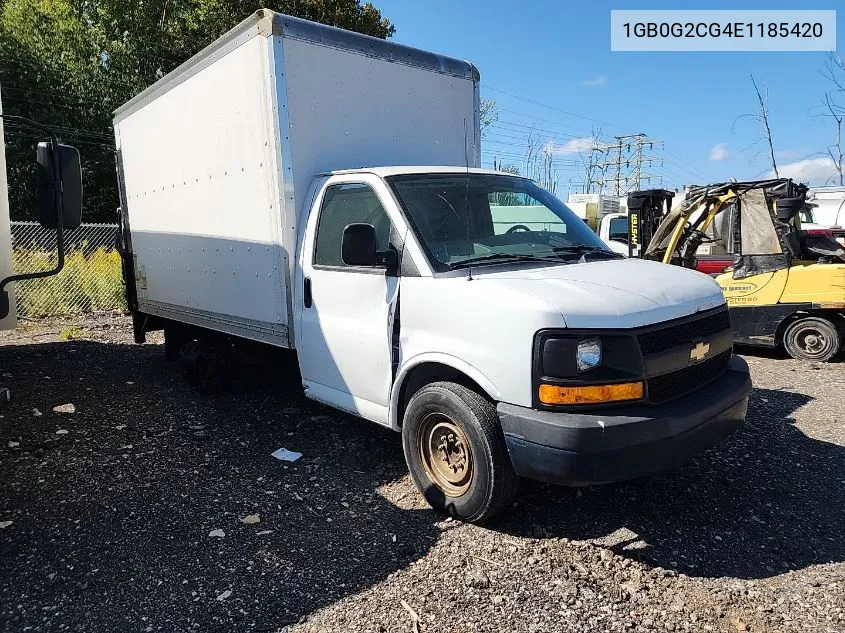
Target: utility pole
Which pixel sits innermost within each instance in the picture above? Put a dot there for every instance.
(619, 140)
(620, 164)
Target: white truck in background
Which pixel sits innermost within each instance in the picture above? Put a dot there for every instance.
(318, 190)
(825, 208)
(614, 231)
(592, 207)
(605, 215)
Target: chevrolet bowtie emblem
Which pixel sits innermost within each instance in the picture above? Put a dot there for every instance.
(699, 352)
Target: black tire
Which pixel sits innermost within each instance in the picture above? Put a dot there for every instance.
(812, 338)
(206, 367)
(174, 339)
(492, 482)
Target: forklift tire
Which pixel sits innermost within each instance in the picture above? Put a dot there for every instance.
(812, 338)
(456, 452)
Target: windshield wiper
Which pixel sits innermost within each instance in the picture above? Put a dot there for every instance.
(504, 257)
(586, 249)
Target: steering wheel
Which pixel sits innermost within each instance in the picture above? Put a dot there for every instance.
(517, 227)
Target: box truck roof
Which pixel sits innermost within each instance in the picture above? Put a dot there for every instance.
(269, 22)
(415, 169)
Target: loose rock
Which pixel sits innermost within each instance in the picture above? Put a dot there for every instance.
(477, 579)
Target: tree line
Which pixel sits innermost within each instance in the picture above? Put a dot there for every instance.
(68, 64)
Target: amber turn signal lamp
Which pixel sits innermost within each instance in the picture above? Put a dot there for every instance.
(593, 394)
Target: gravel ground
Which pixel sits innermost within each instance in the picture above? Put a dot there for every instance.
(137, 512)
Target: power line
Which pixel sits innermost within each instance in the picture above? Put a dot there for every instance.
(531, 128)
(551, 107)
(682, 162)
(536, 118)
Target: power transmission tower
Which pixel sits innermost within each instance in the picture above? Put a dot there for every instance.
(621, 165)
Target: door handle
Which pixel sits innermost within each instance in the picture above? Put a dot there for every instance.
(306, 292)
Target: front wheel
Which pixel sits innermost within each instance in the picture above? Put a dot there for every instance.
(812, 338)
(456, 452)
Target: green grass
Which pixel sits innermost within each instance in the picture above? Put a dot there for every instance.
(91, 283)
(73, 332)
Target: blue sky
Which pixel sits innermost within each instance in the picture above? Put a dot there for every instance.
(557, 53)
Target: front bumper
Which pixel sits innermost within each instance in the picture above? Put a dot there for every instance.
(579, 448)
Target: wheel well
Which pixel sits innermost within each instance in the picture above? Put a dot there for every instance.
(834, 316)
(427, 373)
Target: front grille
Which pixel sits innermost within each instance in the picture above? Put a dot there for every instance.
(670, 336)
(678, 383)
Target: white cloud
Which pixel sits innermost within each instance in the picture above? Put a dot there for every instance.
(813, 171)
(572, 146)
(786, 154)
(720, 152)
(601, 80)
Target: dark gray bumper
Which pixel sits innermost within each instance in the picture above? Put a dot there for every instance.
(625, 442)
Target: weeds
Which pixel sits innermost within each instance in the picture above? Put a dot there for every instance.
(73, 332)
(88, 283)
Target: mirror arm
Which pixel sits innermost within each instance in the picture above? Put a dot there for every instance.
(388, 258)
(57, 193)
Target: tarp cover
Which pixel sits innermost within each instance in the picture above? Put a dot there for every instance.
(761, 248)
(757, 234)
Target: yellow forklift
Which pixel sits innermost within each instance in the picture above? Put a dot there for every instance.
(785, 287)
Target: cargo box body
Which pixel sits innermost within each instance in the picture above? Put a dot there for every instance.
(216, 159)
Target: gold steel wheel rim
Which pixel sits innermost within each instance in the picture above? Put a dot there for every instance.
(445, 454)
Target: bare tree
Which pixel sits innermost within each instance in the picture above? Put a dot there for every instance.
(499, 165)
(762, 117)
(548, 173)
(835, 111)
(589, 161)
(539, 161)
(532, 150)
(488, 114)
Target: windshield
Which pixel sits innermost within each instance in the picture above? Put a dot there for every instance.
(469, 219)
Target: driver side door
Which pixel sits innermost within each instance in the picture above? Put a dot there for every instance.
(345, 330)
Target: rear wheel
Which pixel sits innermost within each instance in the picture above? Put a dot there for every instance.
(206, 367)
(456, 452)
(812, 338)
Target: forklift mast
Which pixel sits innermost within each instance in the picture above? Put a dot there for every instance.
(646, 210)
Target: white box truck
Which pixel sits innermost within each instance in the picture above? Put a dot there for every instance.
(270, 192)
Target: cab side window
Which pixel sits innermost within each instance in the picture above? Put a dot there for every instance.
(344, 205)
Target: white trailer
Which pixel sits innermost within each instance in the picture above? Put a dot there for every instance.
(315, 189)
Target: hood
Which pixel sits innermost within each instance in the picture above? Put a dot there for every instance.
(619, 293)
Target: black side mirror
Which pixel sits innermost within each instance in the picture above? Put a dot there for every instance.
(358, 247)
(68, 202)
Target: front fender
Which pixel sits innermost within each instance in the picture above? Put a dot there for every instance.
(443, 359)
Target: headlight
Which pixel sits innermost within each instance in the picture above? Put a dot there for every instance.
(588, 354)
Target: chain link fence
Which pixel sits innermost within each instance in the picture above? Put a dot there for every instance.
(90, 281)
